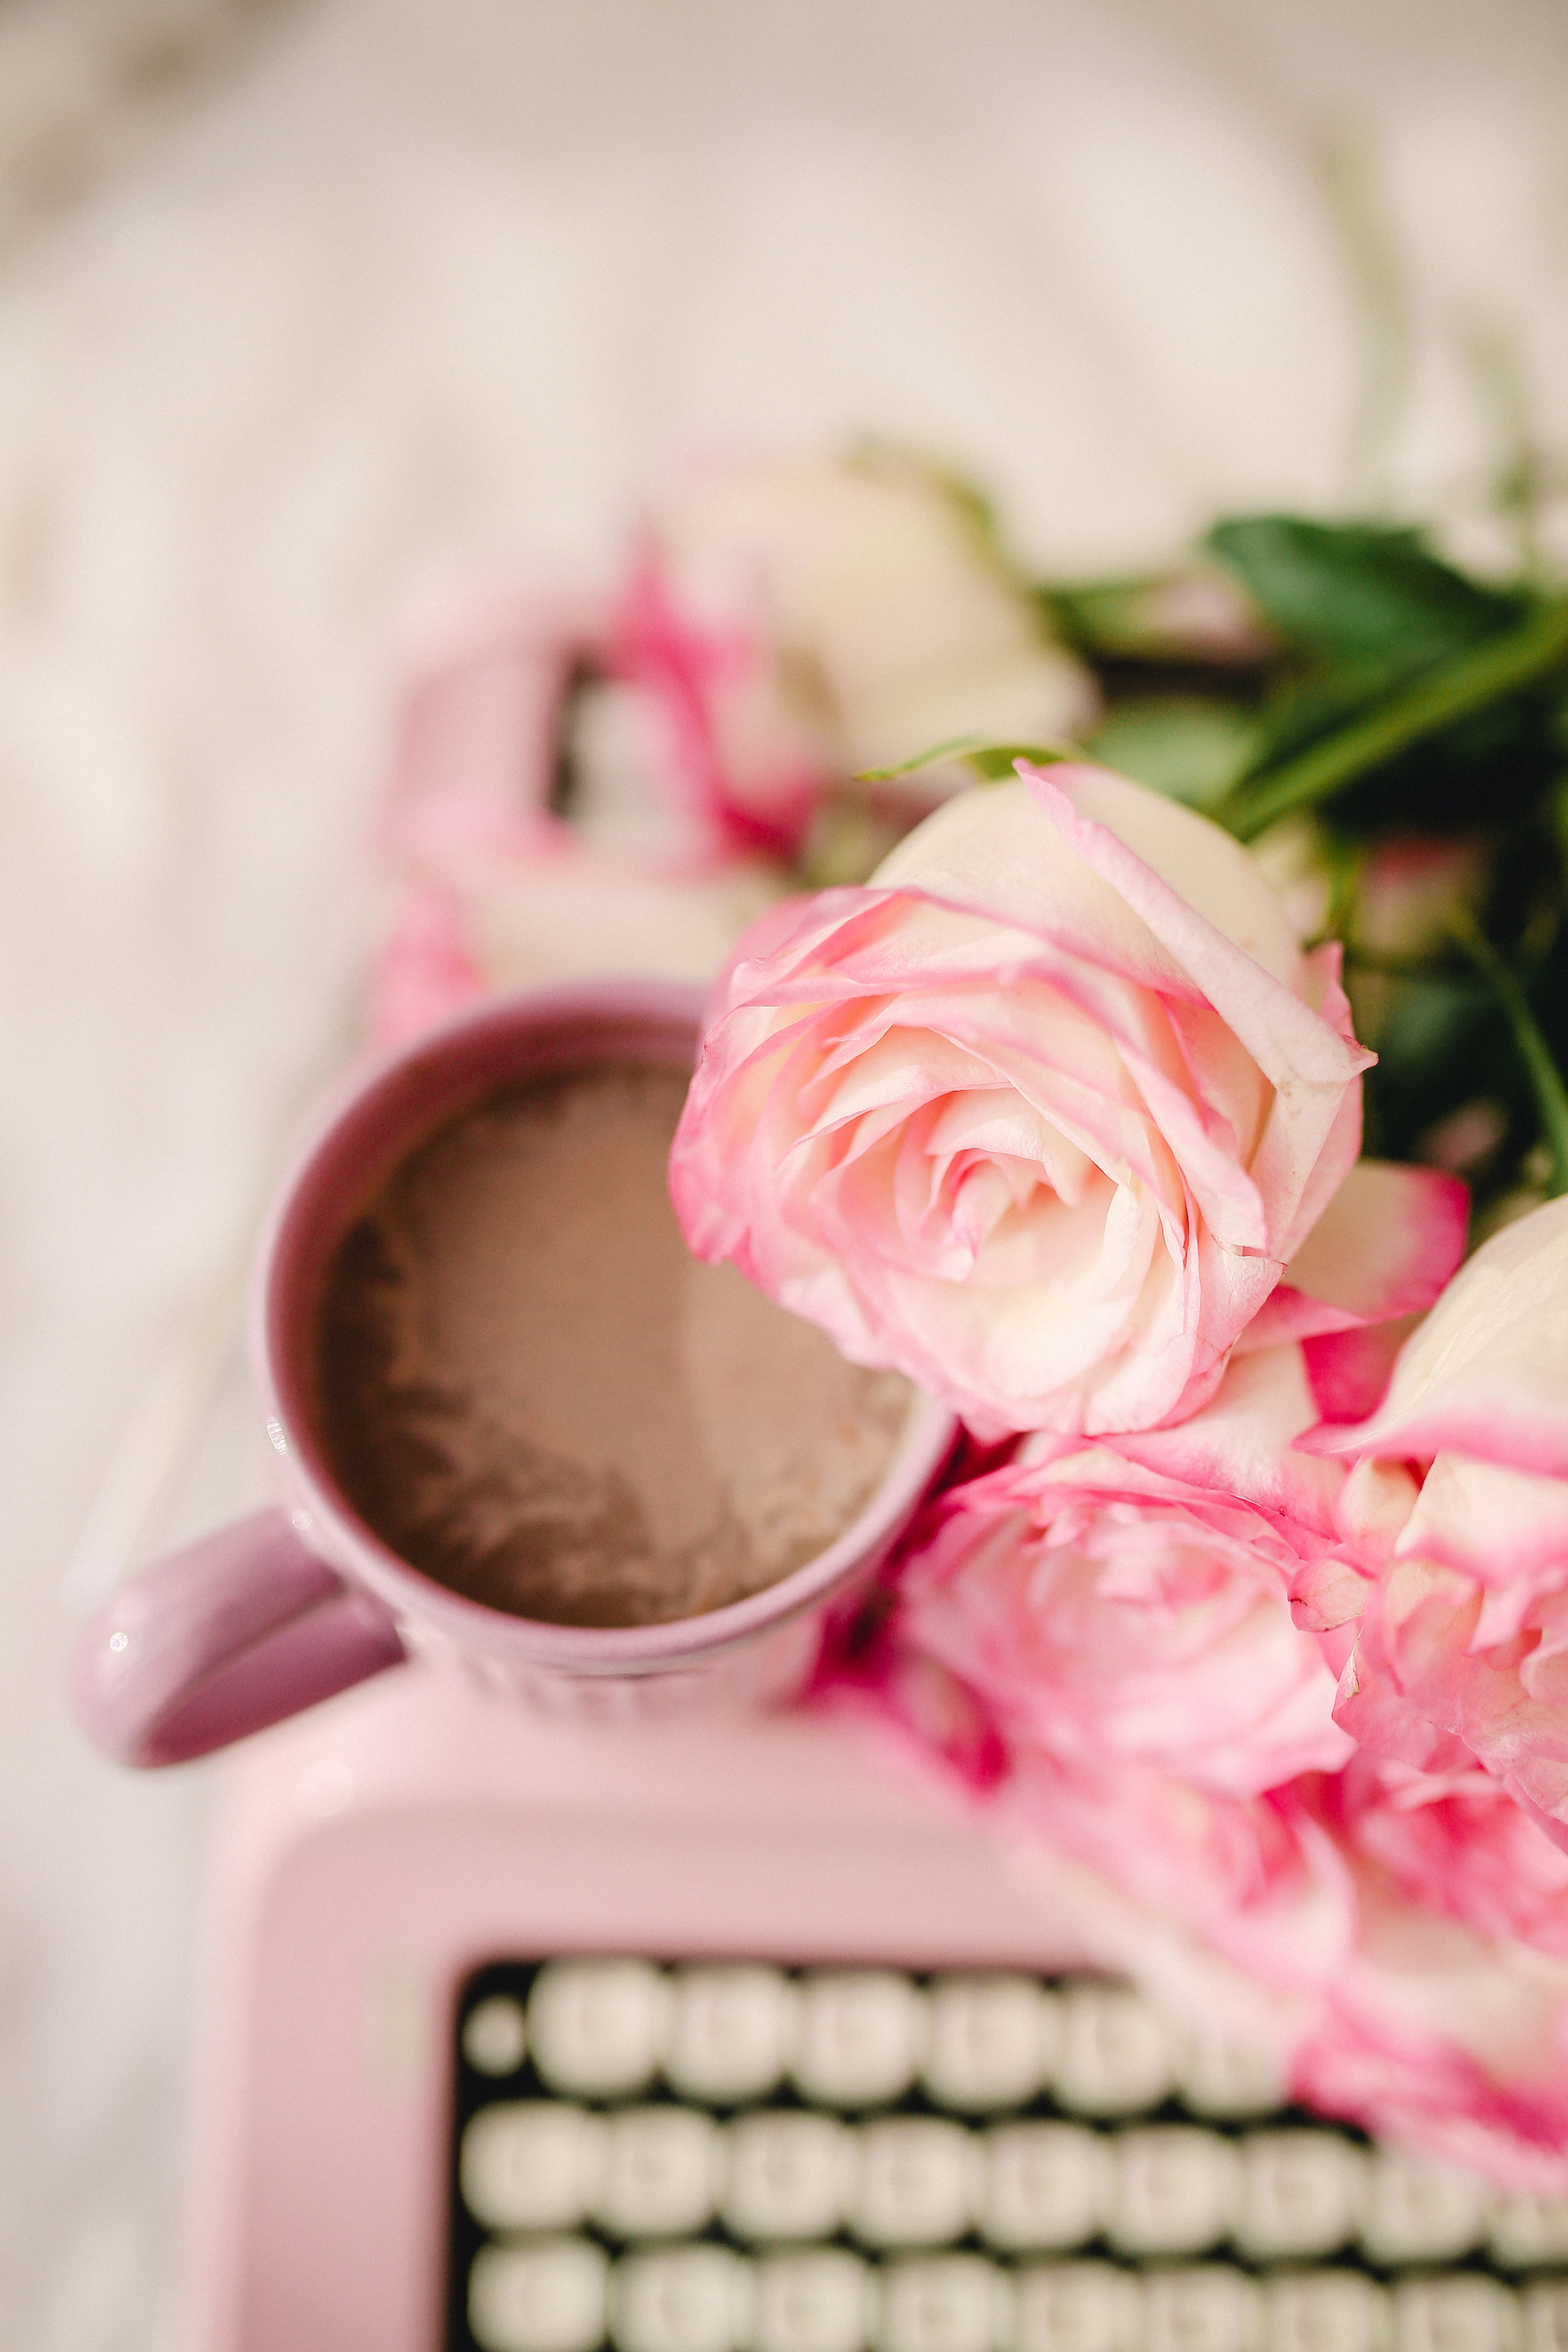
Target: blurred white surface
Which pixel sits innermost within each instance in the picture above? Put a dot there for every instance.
(308, 311)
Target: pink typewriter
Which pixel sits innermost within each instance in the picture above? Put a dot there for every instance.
(534, 2036)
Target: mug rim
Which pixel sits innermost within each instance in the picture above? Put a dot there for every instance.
(377, 1105)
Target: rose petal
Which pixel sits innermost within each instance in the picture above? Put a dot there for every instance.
(1487, 1373)
(1499, 1526)
(1386, 1245)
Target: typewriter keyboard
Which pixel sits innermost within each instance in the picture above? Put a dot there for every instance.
(738, 2157)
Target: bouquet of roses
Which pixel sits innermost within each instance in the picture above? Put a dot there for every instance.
(1251, 1592)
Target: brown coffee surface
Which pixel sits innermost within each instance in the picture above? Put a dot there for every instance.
(535, 1393)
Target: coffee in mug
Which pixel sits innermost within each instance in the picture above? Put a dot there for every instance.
(519, 1430)
(534, 1393)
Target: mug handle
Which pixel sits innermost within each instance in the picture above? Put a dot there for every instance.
(220, 1640)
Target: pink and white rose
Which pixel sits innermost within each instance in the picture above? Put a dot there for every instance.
(498, 888)
(1448, 2023)
(1412, 1924)
(857, 613)
(1462, 1649)
(1395, 2050)
(1043, 1116)
(1256, 1880)
(1456, 1844)
(1127, 1604)
(1097, 1640)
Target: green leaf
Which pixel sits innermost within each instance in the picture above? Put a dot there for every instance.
(1467, 684)
(990, 762)
(1360, 593)
(956, 747)
(993, 763)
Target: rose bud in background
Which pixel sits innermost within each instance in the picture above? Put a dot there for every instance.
(880, 616)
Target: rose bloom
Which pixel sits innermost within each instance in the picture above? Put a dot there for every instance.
(1255, 1880)
(1097, 1640)
(1128, 1601)
(498, 888)
(1384, 1923)
(1456, 1843)
(1396, 2052)
(1446, 2023)
(1043, 1116)
(803, 619)
(1415, 1927)
(1462, 1647)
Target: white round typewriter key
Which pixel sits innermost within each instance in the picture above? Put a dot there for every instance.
(661, 2172)
(544, 2298)
(920, 2181)
(1420, 2212)
(529, 2164)
(596, 2028)
(1546, 2316)
(820, 2300)
(946, 2303)
(1048, 2186)
(1526, 2232)
(1175, 2189)
(494, 2037)
(732, 2031)
(681, 2299)
(862, 2036)
(1077, 2307)
(1203, 2307)
(1324, 2311)
(1302, 2193)
(1115, 2057)
(790, 2175)
(1463, 2312)
(992, 2042)
(1228, 2080)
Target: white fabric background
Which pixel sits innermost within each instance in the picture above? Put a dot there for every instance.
(307, 311)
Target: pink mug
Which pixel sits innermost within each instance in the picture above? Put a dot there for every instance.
(287, 1607)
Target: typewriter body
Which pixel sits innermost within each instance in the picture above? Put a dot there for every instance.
(538, 2035)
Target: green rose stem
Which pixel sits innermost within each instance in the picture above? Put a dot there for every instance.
(1545, 1078)
(1453, 690)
